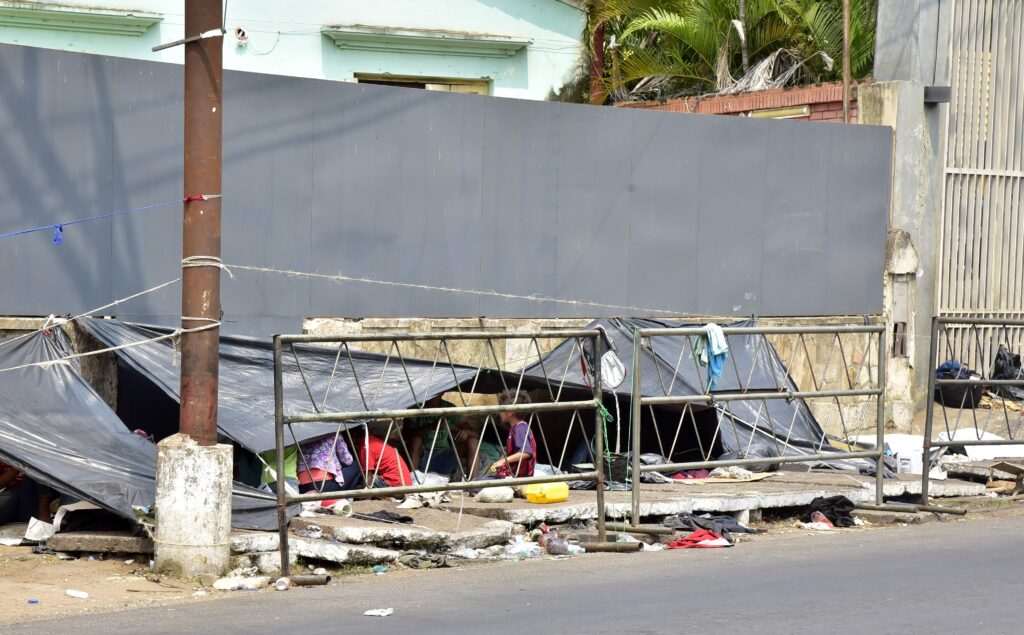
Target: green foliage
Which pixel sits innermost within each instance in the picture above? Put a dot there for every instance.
(666, 47)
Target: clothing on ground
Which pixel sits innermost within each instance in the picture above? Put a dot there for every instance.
(836, 508)
(700, 539)
(724, 526)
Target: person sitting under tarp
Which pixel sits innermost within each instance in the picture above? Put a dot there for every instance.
(325, 465)
(520, 447)
(21, 498)
(385, 465)
(430, 436)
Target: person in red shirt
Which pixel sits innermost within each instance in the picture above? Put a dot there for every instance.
(381, 460)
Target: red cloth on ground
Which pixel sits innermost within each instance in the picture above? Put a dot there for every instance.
(700, 539)
(393, 469)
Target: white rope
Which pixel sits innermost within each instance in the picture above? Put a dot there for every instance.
(64, 360)
(192, 262)
(51, 321)
(427, 287)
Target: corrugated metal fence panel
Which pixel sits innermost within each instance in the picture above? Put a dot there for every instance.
(982, 245)
(652, 210)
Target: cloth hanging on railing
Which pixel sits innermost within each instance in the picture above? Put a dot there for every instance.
(710, 350)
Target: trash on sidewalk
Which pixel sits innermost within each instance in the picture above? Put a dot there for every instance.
(75, 593)
(417, 560)
(379, 612)
(813, 526)
(380, 569)
(732, 472)
(835, 509)
(39, 531)
(496, 495)
(241, 584)
(700, 539)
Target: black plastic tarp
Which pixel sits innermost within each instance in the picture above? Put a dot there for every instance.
(351, 380)
(55, 428)
(777, 426)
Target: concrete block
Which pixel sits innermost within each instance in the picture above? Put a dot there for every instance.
(254, 541)
(875, 517)
(100, 542)
(193, 507)
(341, 553)
(356, 531)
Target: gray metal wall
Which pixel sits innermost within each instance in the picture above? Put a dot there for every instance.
(696, 214)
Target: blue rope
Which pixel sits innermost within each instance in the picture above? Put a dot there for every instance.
(58, 228)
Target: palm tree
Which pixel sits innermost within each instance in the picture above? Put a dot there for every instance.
(698, 46)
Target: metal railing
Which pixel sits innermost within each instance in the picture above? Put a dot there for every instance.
(464, 381)
(739, 390)
(977, 343)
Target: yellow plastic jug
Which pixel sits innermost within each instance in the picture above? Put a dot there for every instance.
(547, 492)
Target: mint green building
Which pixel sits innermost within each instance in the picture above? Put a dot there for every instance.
(507, 48)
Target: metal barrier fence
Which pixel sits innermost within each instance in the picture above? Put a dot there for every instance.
(415, 381)
(987, 345)
(738, 388)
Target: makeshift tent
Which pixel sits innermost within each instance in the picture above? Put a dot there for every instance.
(339, 379)
(55, 428)
(774, 427)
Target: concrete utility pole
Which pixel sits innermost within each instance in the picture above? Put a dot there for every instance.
(193, 498)
(846, 61)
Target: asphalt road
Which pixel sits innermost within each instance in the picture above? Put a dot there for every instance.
(950, 577)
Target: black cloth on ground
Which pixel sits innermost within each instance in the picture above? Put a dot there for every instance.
(384, 516)
(836, 508)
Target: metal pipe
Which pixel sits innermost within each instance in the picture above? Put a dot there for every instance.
(333, 417)
(883, 359)
(926, 461)
(944, 319)
(946, 444)
(282, 495)
(381, 492)
(200, 285)
(768, 330)
(650, 531)
(979, 382)
(310, 580)
(599, 427)
(635, 409)
(453, 335)
(938, 509)
(757, 396)
(889, 507)
(612, 547)
(804, 458)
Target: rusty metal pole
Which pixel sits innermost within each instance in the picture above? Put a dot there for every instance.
(846, 61)
(200, 287)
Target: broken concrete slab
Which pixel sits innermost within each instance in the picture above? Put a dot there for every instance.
(267, 562)
(340, 553)
(431, 529)
(876, 517)
(975, 470)
(254, 541)
(100, 542)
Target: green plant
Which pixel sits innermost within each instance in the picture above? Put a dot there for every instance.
(662, 48)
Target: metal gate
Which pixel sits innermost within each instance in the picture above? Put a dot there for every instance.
(981, 252)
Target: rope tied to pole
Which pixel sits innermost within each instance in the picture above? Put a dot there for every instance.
(191, 262)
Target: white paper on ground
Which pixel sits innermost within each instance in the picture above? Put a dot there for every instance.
(379, 612)
(38, 531)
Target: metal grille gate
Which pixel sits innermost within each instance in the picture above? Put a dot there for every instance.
(981, 252)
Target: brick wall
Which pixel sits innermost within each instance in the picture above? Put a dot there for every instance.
(824, 102)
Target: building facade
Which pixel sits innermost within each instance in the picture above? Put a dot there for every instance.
(507, 48)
